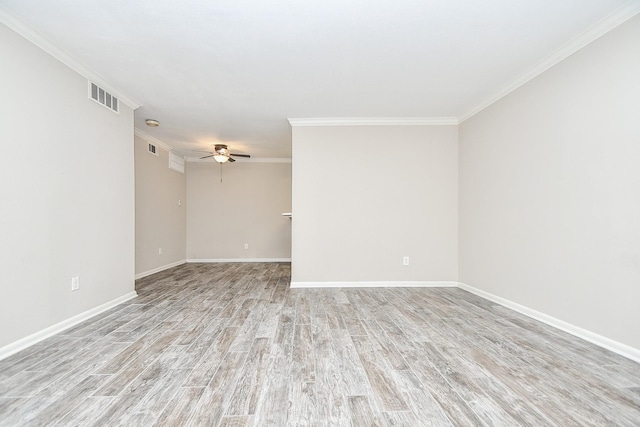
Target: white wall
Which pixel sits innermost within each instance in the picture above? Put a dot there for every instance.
(246, 207)
(366, 196)
(160, 222)
(66, 198)
(550, 191)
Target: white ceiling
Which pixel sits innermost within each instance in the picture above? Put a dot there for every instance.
(233, 71)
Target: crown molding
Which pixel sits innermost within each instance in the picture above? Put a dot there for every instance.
(152, 139)
(373, 121)
(608, 23)
(223, 260)
(39, 40)
(244, 160)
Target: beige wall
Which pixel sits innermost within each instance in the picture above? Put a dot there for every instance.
(160, 221)
(67, 201)
(246, 207)
(366, 196)
(550, 191)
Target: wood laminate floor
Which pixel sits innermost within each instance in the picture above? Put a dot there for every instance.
(232, 345)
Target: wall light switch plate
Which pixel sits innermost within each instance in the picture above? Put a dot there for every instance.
(75, 283)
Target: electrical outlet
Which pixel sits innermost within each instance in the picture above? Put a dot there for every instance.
(179, 202)
(159, 251)
(405, 260)
(246, 246)
(75, 283)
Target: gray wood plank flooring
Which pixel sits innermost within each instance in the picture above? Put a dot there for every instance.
(232, 345)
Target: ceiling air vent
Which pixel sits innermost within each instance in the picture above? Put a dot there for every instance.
(103, 97)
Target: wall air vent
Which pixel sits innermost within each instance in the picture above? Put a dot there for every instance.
(153, 150)
(103, 97)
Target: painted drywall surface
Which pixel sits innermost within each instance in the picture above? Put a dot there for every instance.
(364, 197)
(246, 207)
(550, 191)
(67, 201)
(161, 210)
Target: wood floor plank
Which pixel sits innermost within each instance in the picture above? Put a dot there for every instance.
(303, 404)
(303, 359)
(226, 344)
(178, 410)
(401, 419)
(332, 403)
(385, 390)
(12, 411)
(132, 366)
(362, 414)
(351, 320)
(528, 386)
(303, 310)
(302, 390)
(383, 345)
(67, 402)
(58, 378)
(237, 421)
(245, 396)
(125, 403)
(420, 400)
(211, 358)
(156, 399)
(354, 377)
(215, 399)
(273, 401)
(144, 348)
(333, 312)
(268, 325)
(201, 345)
(86, 413)
(29, 357)
(26, 357)
(453, 405)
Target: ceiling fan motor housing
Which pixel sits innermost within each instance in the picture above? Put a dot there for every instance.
(221, 149)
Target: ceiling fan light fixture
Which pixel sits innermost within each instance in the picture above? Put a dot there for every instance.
(220, 157)
(221, 153)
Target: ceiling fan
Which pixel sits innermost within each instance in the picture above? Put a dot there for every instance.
(221, 154)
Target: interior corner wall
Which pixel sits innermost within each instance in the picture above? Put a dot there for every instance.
(550, 191)
(365, 197)
(246, 207)
(67, 194)
(161, 206)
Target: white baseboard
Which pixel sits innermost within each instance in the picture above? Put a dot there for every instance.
(240, 260)
(396, 284)
(599, 340)
(159, 269)
(32, 339)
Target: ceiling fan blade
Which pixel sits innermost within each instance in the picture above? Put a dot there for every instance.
(231, 159)
(241, 155)
(205, 157)
(203, 151)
